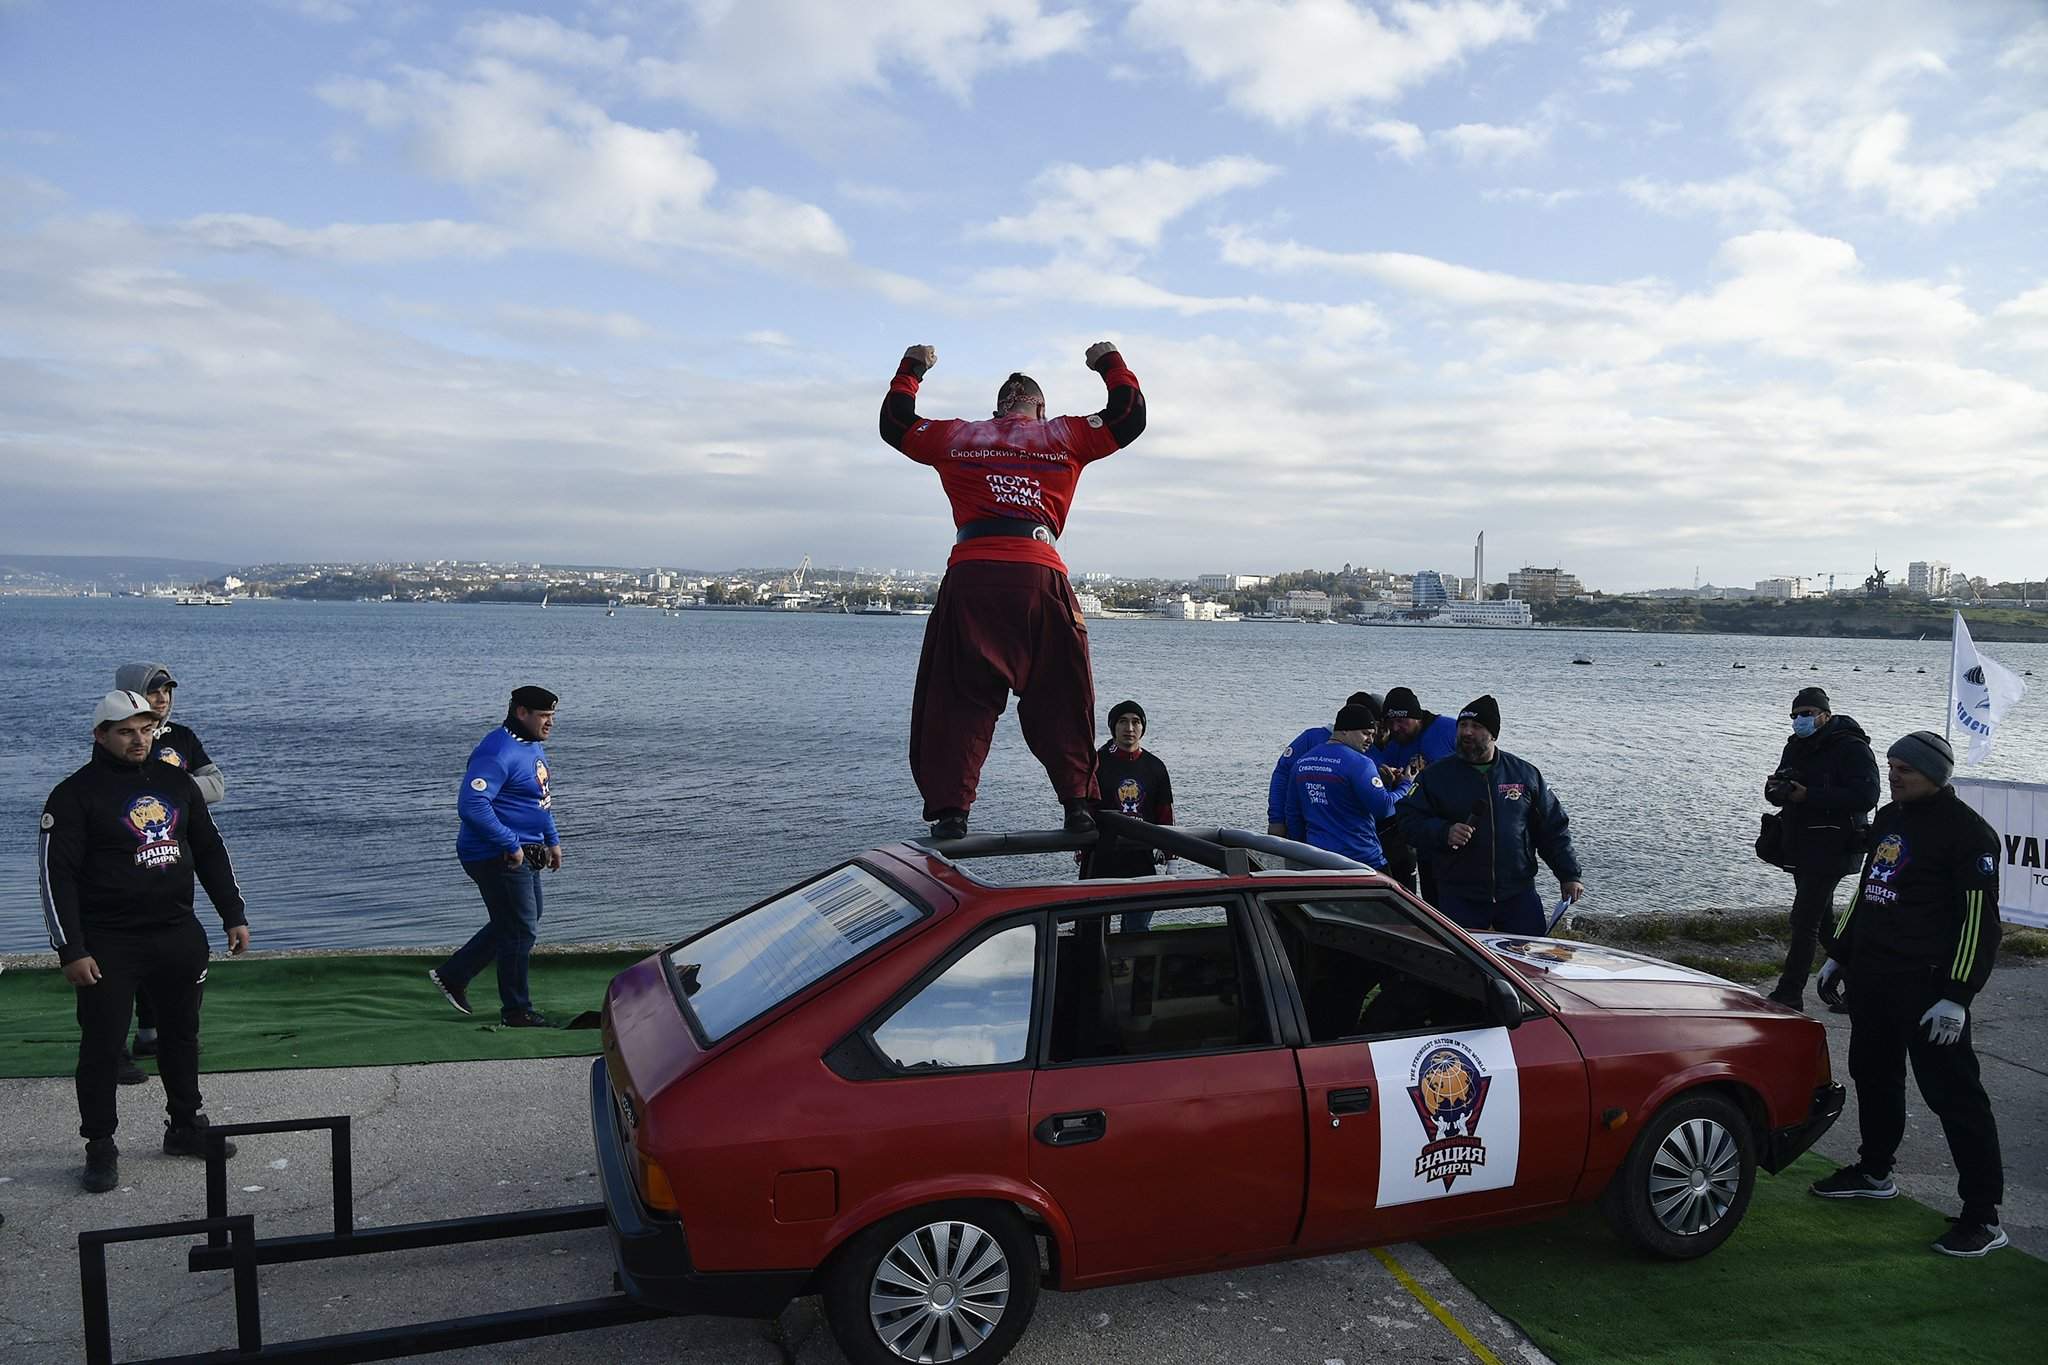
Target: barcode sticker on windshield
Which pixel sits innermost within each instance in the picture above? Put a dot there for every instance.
(858, 906)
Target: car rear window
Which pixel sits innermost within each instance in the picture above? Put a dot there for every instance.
(749, 965)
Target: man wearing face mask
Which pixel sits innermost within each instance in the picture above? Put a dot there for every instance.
(1482, 818)
(1915, 947)
(1826, 785)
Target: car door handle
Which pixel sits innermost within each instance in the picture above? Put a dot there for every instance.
(1351, 1101)
(1071, 1130)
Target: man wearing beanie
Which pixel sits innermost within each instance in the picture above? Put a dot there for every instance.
(506, 838)
(1826, 785)
(1413, 739)
(1007, 619)
(1283, 768)
(1914, 947)
(1132, 781)
(1481, 820)
(1336, 798)
(122, 840)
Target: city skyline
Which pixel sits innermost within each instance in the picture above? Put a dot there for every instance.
(1725, 286)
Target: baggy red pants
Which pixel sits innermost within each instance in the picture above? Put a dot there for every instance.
(1000, 628)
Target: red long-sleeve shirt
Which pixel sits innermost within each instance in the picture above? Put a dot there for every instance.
(1013, 467)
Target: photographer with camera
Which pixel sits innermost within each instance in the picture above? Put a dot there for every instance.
(1825, 786)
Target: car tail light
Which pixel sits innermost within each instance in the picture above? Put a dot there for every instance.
(655, 1191)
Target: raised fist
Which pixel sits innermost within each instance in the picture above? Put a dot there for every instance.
(1098, 351)
(926, 356)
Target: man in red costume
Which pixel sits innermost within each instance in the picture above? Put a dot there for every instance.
(1007, 619)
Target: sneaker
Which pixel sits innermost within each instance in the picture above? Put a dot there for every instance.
(189, 1138)
(951, 824)
(1970, 1239)
(1852, 1183)
(1080, 818)
(127, 1073)
(102, 1166)
(144, 1047)
(527, 1019)
(454, 995)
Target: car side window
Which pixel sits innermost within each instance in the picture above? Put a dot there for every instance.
(1365, 968)
(1154, 983)
(975, 1013)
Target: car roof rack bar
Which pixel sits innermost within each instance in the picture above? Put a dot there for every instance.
(1295, 852)
(998, 845)
(1193, 844)
(1221, 850)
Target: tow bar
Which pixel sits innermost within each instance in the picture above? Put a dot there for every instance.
(232, 1244)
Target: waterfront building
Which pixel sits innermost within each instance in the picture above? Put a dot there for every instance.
(1427, 590)
(1783, 589)
(1930, 576)
(1298, 602)
(1232, 582)
(1532, 584)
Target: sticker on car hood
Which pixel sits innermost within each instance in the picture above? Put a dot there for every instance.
(1454, 1125)
(1569, 961)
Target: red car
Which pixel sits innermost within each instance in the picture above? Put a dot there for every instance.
(923, 1095)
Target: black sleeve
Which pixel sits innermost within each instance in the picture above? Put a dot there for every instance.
(899, 409)
(1123, 416)
(196, 756)
(1849, 786)
(210, 860)
(61, 853)
(1972, 948)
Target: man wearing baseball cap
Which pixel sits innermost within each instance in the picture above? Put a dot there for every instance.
(122, 839)
(1482, 818)
(506, 838)
(1914, 947)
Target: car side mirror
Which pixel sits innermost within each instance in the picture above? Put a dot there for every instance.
(1503, 1002)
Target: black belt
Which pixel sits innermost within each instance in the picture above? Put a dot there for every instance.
(1005, 526)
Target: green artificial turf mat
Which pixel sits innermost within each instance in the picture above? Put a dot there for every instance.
(1803, 1281)
(275, 1013)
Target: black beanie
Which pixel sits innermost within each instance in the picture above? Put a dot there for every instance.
(1402, 704)
(1815, 697)
(1927, 753)
(1371, 701)
(534, 698)
(1355, 717)
(1127, 708)
(1486, 711)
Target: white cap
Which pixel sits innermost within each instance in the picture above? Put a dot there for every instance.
(119, 706)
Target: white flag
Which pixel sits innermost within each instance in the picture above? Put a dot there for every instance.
(1980, 692)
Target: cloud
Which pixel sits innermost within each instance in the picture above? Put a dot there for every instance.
(554, 324)
(559, 169)
(1648, 50)
(1520, 194)
(783, 60)
(1481, 143)
(1404, 140)
(540, 39)
(359, 243)
(1289, 61)
(1128, 205)
(1737, 198)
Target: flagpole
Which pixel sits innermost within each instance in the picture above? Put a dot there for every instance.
(1948, 721)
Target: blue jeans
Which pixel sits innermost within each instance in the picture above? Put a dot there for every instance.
(512, 896)
(1521, 913)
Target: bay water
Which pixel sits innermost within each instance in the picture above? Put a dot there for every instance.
(703, 760)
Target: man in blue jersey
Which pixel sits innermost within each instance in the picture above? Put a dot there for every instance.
(1335, 799)
(507, 837)
(1283, 768)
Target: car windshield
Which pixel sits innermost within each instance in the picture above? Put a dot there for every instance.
(749, 965)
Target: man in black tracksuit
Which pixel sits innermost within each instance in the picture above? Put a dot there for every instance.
(1130, 780)
(1826, 782)
(1914, 947)
(121, 841)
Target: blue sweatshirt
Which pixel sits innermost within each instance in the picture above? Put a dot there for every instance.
(504, 801)
(1436, 741)
(1283, 771)
(1336, 799)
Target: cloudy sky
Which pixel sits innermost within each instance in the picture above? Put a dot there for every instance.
(1755, 287)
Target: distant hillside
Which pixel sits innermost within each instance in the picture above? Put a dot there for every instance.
(108, 572)
(1893, 618)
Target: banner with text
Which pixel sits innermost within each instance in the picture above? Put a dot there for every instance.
(2019, 812)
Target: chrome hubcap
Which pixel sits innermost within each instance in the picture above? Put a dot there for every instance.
(939, 1292)
(1695, 1177)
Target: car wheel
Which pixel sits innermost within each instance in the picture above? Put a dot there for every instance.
(939, 1283)
(1687, 1181)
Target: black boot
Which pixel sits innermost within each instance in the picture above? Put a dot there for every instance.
(189, 1138)
(127, 1073)
(951, 824)
(102, 1166)
(1080, 817)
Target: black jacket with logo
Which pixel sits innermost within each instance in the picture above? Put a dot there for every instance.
(1827, 831)
(1130, 785)
(120, 845)
(1927, 903)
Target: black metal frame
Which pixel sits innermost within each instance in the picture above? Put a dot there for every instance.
(1221, 850)
(232, 1244)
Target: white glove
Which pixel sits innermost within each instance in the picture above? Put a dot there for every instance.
(1944, 1020)
(1829, 987)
